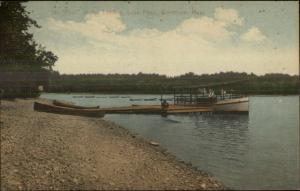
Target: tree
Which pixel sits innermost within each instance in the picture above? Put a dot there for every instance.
(24, 64)
(46, 58)
(18, 50)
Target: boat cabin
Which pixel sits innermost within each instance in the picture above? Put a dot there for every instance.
(200, 96)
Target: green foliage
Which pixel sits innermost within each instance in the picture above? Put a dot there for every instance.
(18, 50)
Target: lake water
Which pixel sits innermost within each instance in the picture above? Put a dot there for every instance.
(255, 151)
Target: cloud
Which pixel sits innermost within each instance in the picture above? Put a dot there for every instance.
(201, 45)
(109, 23)
(207, 28)
(95, 24)
(229, 16)
(253, 35)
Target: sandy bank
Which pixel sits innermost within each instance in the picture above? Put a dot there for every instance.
(51, 151)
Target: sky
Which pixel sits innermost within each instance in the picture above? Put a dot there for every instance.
(170, 38)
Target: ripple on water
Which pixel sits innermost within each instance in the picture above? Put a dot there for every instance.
(259, 151)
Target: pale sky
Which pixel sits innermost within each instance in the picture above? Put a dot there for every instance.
(170, 38)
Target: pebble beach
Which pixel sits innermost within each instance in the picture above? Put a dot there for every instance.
(61, 152)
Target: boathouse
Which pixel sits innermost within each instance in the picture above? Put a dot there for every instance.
(23, 83)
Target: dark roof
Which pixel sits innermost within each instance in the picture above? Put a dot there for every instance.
(209, 84)
(23, 78)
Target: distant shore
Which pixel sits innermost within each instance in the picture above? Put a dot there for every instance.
(157, 93)
(49, 151)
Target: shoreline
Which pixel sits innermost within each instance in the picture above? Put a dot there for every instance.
(169, 94)
(50, 151)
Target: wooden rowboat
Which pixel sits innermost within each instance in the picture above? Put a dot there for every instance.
(70, 105)
(44, 107)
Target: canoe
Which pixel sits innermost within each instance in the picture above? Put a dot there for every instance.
(150, 99)
(89, 96)
(135, 99)
(44, 107)
(70, 105)
(77, 96)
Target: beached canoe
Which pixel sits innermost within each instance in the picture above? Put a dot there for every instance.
(71, 105)
(45, 107)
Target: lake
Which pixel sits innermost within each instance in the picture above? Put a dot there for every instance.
(255, 151)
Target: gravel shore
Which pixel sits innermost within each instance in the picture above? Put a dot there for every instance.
(61, 152)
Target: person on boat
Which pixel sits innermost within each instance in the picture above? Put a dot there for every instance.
(211, 93)
(211, 96)
(164, 107)
(164, 104)
(223, 94)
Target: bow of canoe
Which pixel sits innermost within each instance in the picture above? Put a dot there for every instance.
(45, 107)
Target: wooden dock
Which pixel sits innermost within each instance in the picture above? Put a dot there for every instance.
(156, 109)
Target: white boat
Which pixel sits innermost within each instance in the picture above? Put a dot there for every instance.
(238, 105)
(227, 103)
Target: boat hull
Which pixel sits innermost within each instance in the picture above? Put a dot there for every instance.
(70, 105)
(44, 107)
(239, 105)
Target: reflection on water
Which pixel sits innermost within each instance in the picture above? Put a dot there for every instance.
(215, 143)
(259, 151)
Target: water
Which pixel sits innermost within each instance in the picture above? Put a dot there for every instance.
(259, 151)
(106, 100)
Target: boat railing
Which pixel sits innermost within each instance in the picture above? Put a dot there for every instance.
(194, 100)
(229, 96)
(202, 99)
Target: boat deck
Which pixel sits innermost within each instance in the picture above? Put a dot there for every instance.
(65, 108)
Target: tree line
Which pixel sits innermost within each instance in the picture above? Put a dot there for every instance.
(154, 83)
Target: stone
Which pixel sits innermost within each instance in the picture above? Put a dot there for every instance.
(112, 183)
(55, 168)
(203, 185)
(75, 180)
(154, 143)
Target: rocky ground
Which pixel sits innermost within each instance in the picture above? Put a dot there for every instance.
(50, 151)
